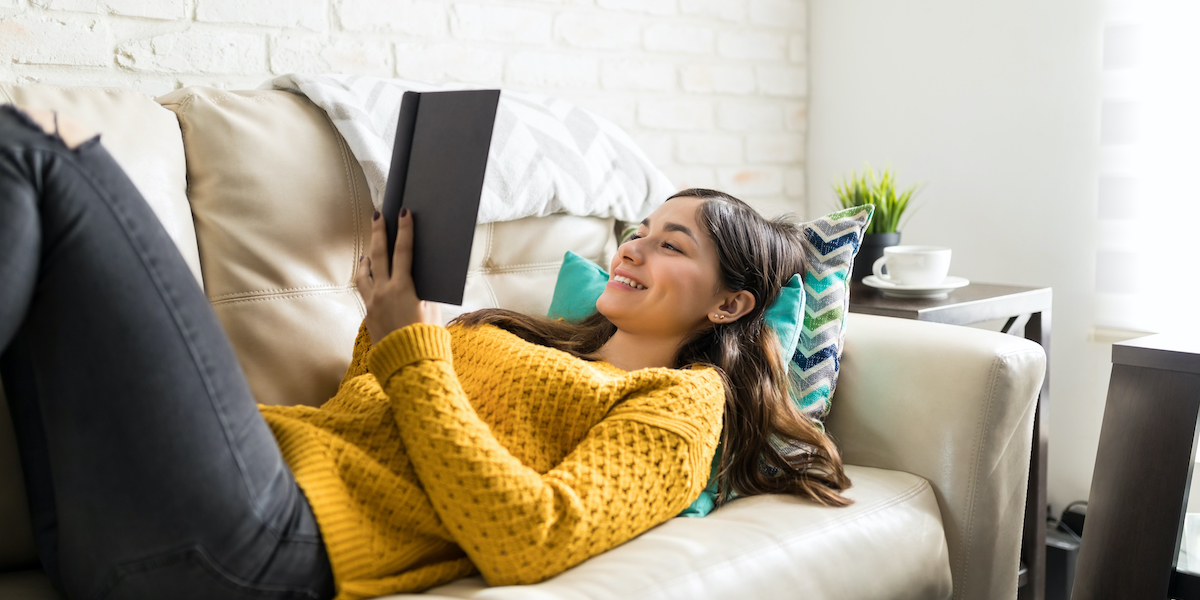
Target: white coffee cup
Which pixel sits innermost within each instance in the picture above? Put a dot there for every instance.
(913, 265)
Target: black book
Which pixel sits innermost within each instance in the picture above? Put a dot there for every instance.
(438, 163)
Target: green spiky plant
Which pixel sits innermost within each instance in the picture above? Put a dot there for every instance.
(890, 203)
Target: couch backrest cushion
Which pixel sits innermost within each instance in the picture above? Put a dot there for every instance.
(142, 137)
(282, 214)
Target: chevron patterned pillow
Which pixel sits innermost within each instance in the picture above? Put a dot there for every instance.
(830, 243)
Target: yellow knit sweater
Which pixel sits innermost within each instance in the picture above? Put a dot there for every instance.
(446, 451)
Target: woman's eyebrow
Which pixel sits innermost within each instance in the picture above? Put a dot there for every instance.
(669, 226)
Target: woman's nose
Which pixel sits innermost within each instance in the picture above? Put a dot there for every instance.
(631, 251)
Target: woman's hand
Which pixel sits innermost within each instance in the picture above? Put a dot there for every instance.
(392, 300)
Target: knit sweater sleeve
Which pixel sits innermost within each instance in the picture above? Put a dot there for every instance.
(633, 470)
(358, 360)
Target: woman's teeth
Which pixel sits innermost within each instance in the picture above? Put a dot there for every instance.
(629, 282)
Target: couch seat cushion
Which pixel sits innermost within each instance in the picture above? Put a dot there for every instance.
(888, 544)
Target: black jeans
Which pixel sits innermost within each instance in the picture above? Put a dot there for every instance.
(150, 472)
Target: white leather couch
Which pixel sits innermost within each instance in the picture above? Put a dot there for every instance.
(271, 212)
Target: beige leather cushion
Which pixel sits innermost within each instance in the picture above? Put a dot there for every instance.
(889, 544)
(282, 214)
(962, 419)
(142, 137)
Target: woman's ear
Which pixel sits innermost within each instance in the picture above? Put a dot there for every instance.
(735, 306)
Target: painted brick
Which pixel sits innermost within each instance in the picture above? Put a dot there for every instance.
(151, 85)
(637, 74)
(448, 62)
(164, 9)
(59, 40)
(501, 24)
(749, 116)
(794, 182)
(684, 177)
(309, 14)
(682, 114)
(757, 45)
(789, 14)
(731, 10)
(668, 37)
(88, 6)
(313, 54)
(619, 110)
(797, 48)
(771, 207)
(659, 147)
(611, 31)
(196, 52)
(415, 18)
(774, 147)
(654, 7)
(751, 181)
(552, 69)
(153, 9)
(710, 148)
(795, 116)
(720, 79)
(783, 81)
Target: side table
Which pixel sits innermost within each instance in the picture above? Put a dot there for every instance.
(1027, 310)
(1143, 473)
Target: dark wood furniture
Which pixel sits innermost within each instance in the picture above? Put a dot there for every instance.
(1027, 313)
(1143, 472)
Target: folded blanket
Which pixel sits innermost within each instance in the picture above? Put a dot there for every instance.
(547, 155)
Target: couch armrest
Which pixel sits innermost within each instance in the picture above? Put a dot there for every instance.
(954, 405)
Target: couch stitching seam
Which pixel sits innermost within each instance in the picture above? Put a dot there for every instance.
(276, 291)
(965, 561)
(284, 296)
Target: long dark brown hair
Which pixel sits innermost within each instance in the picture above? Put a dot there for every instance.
(768, 445)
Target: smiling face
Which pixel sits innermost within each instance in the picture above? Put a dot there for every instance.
(665, 280)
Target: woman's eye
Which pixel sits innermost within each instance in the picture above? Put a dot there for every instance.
(668, 246)
(634, 236)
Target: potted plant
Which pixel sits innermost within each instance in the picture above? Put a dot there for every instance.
(890, 205)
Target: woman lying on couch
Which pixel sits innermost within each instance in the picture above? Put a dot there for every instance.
(508, 444)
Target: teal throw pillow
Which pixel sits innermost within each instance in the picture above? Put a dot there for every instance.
(580, 283)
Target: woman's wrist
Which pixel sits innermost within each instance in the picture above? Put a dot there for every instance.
(407, 345)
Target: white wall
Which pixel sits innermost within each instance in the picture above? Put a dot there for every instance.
(713, 90)
(995, 105)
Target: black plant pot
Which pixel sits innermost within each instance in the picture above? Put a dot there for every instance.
(870, 250)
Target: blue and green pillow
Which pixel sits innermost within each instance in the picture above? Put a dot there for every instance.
(830, 244)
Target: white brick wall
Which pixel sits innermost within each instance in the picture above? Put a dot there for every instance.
(715, 91)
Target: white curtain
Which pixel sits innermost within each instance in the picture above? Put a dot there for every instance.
(1148, 259)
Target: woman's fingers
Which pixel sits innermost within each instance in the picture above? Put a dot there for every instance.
(362, 278)
(402, 255)
(378, 250)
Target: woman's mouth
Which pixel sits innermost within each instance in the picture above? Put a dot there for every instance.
(629, 282)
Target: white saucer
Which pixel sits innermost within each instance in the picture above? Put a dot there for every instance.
(896, 290)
